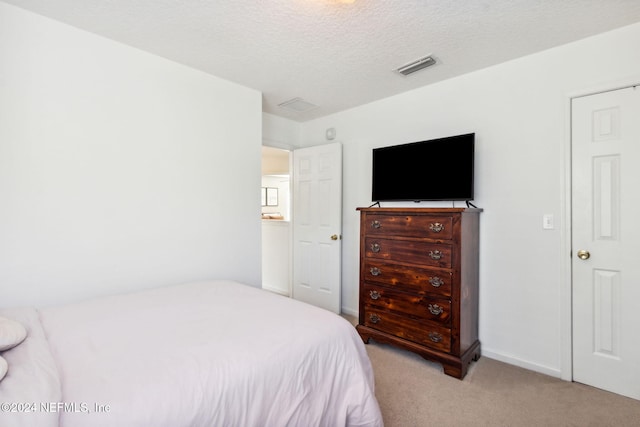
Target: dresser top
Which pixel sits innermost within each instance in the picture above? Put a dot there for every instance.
(420, 210)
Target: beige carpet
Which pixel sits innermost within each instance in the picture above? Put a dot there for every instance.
(415, 392)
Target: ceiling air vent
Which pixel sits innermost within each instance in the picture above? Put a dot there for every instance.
(298, 105)
(416, 65)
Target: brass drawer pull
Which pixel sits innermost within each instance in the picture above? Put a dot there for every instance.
(435, 337)
(375, 224)
(374, 294)
(435, 255)
(435, 309)
(374, 318)
(436, 282)
(436, 227)
(375, 271)
(375, 247)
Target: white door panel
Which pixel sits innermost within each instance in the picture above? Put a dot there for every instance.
(317, 216)
(606, 225)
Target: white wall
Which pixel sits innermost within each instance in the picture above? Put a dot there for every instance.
(115, 166)
(519, 111)
(280, 132)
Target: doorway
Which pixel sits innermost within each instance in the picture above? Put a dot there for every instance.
(276, 220)
(304, 221)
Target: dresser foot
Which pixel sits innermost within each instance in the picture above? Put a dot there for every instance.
(458, 367)
(365, 337)
(453, 371)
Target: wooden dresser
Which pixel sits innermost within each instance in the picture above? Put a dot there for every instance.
(419, 282)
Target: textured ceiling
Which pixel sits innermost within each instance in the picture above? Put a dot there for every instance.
(338, 54)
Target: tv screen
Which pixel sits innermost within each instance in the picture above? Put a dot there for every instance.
(438, 169)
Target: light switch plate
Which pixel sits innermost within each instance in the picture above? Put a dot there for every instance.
(547, 221)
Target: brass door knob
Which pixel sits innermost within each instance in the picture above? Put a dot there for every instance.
(334, 237)
(582, 254)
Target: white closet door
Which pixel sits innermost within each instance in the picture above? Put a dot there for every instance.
(606, 240)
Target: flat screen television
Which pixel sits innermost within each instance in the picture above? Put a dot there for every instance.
(437, 169)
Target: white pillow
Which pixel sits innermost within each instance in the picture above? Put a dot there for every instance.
(12, 333)
(4, 367)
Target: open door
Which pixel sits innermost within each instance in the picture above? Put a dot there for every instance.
(317, 225)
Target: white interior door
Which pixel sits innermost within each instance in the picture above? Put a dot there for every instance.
(317, 225)
(606, 236)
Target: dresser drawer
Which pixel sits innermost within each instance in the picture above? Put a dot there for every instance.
(412, 305)
(411, 279)
(434, 336)
(411, 251)
(433, 227)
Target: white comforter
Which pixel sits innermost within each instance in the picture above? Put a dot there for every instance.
(207, 354)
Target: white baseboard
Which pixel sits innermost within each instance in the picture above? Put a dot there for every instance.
(349, 311)
(512, 360)
(275, 290)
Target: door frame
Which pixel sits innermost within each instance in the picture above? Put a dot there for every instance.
(566, 292)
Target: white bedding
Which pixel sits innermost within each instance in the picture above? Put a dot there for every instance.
(32, 378)
(208, 354)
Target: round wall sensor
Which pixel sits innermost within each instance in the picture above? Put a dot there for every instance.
(331, 133)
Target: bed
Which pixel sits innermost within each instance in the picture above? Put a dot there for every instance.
(214, 353)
